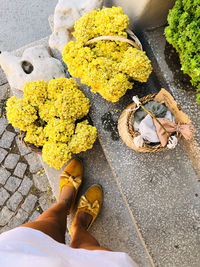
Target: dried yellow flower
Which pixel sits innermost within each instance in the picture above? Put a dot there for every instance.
(84, 137)
(35, 92)
(35, 135)
(56, 154)
(59, 130)
(48, 117)
(106, 66)
(20, 113)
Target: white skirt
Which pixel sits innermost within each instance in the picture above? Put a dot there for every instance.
(26, 247)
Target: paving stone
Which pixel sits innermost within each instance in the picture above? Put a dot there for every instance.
(4, 195)
(4, 91)
(18, 219)
(34, 216)
(4, 174)
(3, 125)
(29, 203)
(23, 149)
(5, 216)
(4, 229)
(3, 154)
(20, 169)
(7, 139)
(14, 201)
(34, 162)
(41, 182)
(46, 201)
(13, 183)
(25, 186)
(11, 161)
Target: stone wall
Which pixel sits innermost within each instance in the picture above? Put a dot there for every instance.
(144, 13)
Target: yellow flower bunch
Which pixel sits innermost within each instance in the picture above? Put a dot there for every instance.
(107, 66)
(48, 114)
(56, 154)
(35, 92)
(84, 137)
(20, 113)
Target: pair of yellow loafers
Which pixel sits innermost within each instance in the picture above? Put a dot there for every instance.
(91, 201)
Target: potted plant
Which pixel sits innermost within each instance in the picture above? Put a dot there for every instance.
(183, 33)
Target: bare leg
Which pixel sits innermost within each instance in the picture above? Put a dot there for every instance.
(53, 221)
(81, 238)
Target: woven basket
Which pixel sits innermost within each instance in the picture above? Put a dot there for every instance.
(135, 42)
(29, 145)
(125, 126)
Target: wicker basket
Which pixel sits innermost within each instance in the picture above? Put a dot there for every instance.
(125, 126)
(29, 145)
(134, 41)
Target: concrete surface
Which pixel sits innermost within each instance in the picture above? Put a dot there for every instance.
(24, 21)
(167, 67)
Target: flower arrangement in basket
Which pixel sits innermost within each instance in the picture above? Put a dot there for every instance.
(103, 56)
(48, 116)
(154, 123)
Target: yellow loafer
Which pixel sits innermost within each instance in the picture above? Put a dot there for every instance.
(72, 176)
(91, 203)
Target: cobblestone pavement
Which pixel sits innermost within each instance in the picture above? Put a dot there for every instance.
(24, 188)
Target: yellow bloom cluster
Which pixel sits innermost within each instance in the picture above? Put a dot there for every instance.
(20, 113)
(106, 66)
(48, 114)
(84, 136)
(56, 154)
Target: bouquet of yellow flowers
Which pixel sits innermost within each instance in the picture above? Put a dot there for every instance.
(109, 67)
(48, 114)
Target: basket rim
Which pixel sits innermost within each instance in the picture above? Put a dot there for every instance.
(133, 108)
(32, 147)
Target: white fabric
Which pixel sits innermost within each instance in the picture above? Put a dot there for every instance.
(26, 247)
(147, 128)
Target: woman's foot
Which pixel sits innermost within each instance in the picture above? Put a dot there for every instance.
(70, 181)
(88, 208)
(83, 219)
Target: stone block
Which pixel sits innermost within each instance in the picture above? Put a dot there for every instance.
(4, 91)
(4, 174)
(146, 13)
(12, 184)
(14, 201)
(4, 229)
(18, 219)
(7, 139)
(5, 216)
(3, 125)
(34, 162)
(3, 154)
(4, 195)
(41, 182)
(46, 201)
(22, 149)
(34, 216)
(29, 203)
(25, 186)
(20, 169)
(11, 161)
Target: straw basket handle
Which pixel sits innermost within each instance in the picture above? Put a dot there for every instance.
(113, 38)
